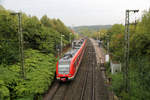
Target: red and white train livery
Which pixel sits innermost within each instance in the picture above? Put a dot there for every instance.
(67, 66)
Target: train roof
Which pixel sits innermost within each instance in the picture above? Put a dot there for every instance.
(70, 54)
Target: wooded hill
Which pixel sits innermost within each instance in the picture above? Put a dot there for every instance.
(94, 28)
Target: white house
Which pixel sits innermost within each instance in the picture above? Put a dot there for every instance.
(115, 67)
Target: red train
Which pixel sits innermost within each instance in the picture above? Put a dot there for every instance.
(67, 66)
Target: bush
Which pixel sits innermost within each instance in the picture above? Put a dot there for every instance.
(4, 92)
(39, 71)
(117, 83)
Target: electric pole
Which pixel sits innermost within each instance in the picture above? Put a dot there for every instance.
(70, 37)
(21, 44)
(61, 44)
(108, 43)
(126, 52)
(21, 41)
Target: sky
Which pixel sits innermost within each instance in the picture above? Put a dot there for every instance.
(80, 12)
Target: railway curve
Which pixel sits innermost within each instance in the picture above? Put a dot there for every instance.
(87, 85)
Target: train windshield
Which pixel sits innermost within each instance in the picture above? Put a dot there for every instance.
(64, 63)
(64, 67)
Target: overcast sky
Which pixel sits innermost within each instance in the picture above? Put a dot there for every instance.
(79, 12)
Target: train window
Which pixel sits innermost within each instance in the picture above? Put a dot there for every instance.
(64, 62)
(68, 56)
(75, 64)
(78, 60)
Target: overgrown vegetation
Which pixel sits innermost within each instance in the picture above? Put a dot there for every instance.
(41, 40)
(139, 69)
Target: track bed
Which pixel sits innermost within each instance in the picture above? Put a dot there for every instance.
(87, 85)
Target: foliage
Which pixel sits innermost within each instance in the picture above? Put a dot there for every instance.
(117, 83)
(40, 69)
(41, 37)
(4, 91)
(139, 67)
(90, 29)
(116, 36)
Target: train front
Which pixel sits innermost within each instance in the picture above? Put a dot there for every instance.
(63, 72)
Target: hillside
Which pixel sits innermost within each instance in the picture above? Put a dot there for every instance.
(91, 27)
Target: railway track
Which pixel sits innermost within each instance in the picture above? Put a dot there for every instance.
(89, 81)
(60, 92)
(84, 86)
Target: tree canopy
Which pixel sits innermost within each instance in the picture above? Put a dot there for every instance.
(41, 37)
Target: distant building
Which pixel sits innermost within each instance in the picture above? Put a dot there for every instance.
(107, 58)
(115, 67)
